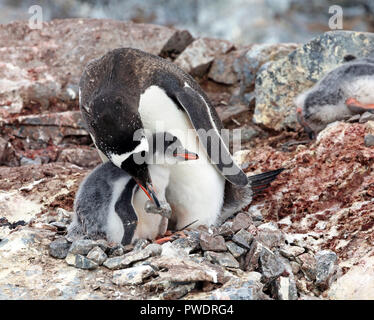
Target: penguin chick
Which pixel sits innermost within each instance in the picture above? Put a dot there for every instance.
(343, 92)
(109, 203)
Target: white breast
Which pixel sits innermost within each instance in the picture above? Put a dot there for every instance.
(196, 188)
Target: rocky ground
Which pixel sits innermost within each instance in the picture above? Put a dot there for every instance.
(310, 236)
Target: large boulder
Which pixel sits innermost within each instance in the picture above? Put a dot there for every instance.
(279, 82)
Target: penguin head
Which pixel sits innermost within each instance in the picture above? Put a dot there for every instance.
(167, 149)
(119, 134)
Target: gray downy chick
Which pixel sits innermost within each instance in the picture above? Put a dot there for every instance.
(110, 204)
(343, 92)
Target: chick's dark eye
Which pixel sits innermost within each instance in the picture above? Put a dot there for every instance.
(142, 153)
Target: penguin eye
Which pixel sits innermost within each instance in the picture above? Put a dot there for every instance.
(142, 153)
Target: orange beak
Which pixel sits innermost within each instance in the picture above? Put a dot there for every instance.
(186, 155)
(150, 193)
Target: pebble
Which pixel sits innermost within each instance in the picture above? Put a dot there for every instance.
(366, 116)
(132, 276)
(354, 118)
(212, 243)
(97, 255)
(291, 251)
(270, 235)
(243, 238)
(82, 246)
(241, 221)
(369, 140)
(234, 249)
(81, 262)
(124, 261)
(225, 229)
(224, 259)
(252, 258)
(140, 244)
(59, 248)
(271, 265)
(326, 266)
(177, 292)
(295, 267)
(116, 251)
(308, 265)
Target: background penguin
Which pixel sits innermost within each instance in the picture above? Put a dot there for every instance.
(344, 91)
(109, 203)
(127, 90)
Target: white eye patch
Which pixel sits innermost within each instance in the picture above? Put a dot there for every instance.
(117, 159)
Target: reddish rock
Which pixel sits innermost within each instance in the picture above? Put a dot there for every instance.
(212, 242)
(83, 157)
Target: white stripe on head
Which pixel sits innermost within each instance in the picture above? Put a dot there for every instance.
(117, 159)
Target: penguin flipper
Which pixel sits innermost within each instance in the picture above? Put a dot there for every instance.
(202, 120)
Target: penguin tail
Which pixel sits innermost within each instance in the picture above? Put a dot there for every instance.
(262, 181)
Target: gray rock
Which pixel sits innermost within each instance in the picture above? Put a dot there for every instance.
(82, 246)
(366, 116)
(271, 265)
(369, 140)
(279, 82)
(198, 56)
(116, 251)
(97, 255)
(243, 238)
(177, 291)
(270, 235)
(247, 287)
(235, 250)
(285, 286)
(253, 256)
(81, 262)
(226, 229)
(188, 245)
(308, 265)
(124, 261)
(103, 244)
(224, 259)
(212, 243)
(354, 118)
(241, 221)
(291, 251)
(140, 244)
(132, 276)
(59, 248)
(326, 267)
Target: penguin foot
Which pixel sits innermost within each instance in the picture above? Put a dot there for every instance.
(357, 107)
(169, 236)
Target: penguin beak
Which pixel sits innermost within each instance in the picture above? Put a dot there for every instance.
(183, 154)
(148, 190)
(304, 124)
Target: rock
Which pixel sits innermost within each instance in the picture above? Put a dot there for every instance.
(369, 140)
(247, 287)
(270, 235)
(326, 267)
(124, 261)
(82, 246)
(24, 161)
(97, 255)
(366, 116)
(253, 256)
(51, 72)
(271, 265)
(177, 43)
(226, 113)
(224, 259)
(279, 82)
(243, 238)
(189, 244)
(83, 157)
(295, 267)
(212, 243)
(234, 249)
(177, 291)
(354, 118)
(116, 251)
(308, 265)
(184, 269)
(79, 261)
(356, 284)
(291, 251)
(103, 244)
(283, 288)
(132, 276)
(7, 154)
(198, 56)
(241, 221)
(59, 248)
(140, 244)
(226, 229)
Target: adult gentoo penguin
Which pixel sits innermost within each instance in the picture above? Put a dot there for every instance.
(109, 203)
(344, 91)
(128, 90)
